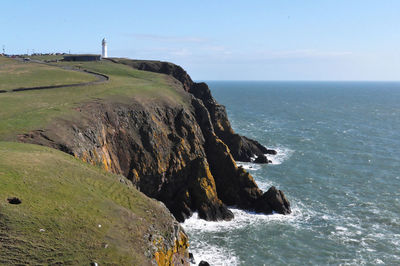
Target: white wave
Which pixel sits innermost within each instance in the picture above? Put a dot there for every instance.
(213, 254)
(216, 255)
(341, 228)
(242, 219)
(249, 166)
(281, 155)
(378, 261)
(395, 240)
(264, 185)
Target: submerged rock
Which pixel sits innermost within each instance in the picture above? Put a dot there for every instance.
(273, 200)
(191, 258)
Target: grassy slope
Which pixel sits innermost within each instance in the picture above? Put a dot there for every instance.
(46, 57)
(21, 112)
(64, 196)
(16, 74)
(69, 199)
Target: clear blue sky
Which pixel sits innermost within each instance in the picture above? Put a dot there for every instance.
(220, 39)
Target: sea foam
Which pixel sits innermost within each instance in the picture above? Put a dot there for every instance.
(249, 166)
(282, 155)
(217, 255)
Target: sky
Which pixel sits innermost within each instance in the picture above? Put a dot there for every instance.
(219, 39)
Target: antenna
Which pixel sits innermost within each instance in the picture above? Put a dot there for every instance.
(4, 49)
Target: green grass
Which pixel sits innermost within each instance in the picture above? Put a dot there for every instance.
(15, 74)
(21, 112)
(46, 57)
(69, 199)
(61, 194)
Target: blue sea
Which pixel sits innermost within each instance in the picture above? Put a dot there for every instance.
(338, 163)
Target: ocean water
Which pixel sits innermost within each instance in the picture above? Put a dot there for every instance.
(338, 163)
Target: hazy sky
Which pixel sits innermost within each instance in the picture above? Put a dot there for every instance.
(220, 39)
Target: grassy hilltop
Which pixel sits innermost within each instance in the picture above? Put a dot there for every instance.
(21, 112)
(18, 74)
(71, 212)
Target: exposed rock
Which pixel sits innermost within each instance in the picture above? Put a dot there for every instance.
(175, 254)
(204, 263)
(234, 185)
(241, 148)
(204, 194)
(272, 152)
(182, 154)
(273, 201)
(159, 147)
(191, 258)
(168, 246)
(261, 159)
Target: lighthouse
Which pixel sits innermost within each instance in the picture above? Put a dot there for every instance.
(104, 50)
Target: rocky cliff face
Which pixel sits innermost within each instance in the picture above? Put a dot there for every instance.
(168, 245)
(242, 148)
(182, 154)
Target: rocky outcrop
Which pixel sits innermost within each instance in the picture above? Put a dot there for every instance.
(261, 159)
(242, 148)
(159, 67)
(160, 147)
(166, 241)
(170, 250)
(234, 185)
(182, 154)
(273, 201)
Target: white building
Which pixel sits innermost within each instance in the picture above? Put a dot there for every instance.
(104, 50)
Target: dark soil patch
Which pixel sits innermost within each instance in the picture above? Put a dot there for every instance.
(14, 200)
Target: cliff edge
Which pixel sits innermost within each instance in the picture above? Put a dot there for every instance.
(152, 129)
(180, 150)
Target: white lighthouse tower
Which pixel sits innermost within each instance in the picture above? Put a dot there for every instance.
(104, 50)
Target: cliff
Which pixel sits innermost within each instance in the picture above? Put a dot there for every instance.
(152, 129)
(180, 150)
(242, 149)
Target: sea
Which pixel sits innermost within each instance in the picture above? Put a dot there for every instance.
(338, 163)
